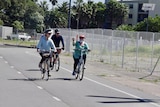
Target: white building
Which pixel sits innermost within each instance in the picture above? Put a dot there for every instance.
(136, 14)
(5, 31)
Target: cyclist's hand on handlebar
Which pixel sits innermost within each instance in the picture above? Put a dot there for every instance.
(73, 39)
(37, 49)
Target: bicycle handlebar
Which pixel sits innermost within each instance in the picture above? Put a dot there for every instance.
(87, 50)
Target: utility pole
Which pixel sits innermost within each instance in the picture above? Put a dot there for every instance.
(69, 15)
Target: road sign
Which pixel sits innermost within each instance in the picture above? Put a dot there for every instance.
(148, 6)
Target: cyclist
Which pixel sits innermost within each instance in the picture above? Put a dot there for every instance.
(79, 44)
(57, 38)
(45, 43)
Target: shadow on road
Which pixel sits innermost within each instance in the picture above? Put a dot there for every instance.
(27, 79)
(32, 70)
(125, 99)
(66, 79)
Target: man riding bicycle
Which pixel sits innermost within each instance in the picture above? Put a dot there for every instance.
(45, 43)
(57, 38)
(79, 45)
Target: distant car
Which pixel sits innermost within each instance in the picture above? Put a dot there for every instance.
(22, 36)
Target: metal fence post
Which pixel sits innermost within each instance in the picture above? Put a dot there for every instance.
(152, 52)
(137, 47)
(124, 36)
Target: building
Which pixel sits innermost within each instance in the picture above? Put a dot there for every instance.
(136, 14)
(5, 31)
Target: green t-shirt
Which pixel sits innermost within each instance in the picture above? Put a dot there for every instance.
(78, 48)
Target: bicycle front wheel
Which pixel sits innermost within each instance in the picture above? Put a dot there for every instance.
(81, 71)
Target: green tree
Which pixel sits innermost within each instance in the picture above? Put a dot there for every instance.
(125, 27)
(116, 13)
(35, 21)
(17, 25)
(152, 23)
(1, 22)
(53, 2)
(100, 14)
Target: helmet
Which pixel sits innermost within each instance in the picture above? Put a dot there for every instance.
(81, 36)
(48, 31)
(56, 31)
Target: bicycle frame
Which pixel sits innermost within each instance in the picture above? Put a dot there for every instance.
(45, 65)
(80, 66)
(56, 59)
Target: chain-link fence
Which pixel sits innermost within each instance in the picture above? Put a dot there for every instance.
(137, 51)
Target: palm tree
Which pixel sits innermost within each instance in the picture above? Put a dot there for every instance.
(53, 2)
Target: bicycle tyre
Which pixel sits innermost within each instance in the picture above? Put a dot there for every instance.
(81, 71)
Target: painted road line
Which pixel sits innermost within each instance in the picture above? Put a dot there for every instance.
(40, 87)
(118, 90)
(56, 98)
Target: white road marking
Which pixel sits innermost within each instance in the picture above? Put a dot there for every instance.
(56, 98)
(40, 87)
(19, 72)
(118, 90)
(12, 66)
(6, 62)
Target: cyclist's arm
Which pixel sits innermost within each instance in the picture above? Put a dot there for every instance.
(62, 41)
(53, 47)
(39, 43)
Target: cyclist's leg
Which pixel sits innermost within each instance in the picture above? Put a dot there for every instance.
(41, 61)
(84, 58)
(75, 65)
(51, 59)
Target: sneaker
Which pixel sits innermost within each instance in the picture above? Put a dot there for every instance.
(84, 67)
(40, 65)
(49, 75)
(73, 73)
(51, 65)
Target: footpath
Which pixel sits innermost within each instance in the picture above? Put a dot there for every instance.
(142, 81)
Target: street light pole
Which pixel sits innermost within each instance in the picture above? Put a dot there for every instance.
(69, 14)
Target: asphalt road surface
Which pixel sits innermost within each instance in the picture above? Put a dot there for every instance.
(21, 86)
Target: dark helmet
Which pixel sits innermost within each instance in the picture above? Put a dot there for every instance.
(57, 31)
(48, 31)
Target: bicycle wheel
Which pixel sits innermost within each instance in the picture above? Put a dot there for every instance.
(57, 64)
(81, 70)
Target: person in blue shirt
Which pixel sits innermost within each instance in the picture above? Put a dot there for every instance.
(45, 44)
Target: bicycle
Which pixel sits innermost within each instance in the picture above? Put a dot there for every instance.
(45, 69)
(56, 59)
(79, 72)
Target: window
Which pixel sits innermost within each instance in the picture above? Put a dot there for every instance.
(130, 16)
(130, 6)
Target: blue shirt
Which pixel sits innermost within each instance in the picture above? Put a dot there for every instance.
(46, 44)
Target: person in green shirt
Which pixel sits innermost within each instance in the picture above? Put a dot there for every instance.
(79, 45)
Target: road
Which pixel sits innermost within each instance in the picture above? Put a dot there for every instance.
(21, 86)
